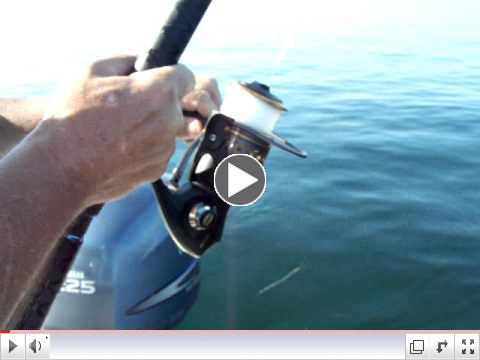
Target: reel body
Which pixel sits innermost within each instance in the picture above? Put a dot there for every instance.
(193, 212)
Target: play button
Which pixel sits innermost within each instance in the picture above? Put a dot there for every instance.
(11, 346)
(240, 180)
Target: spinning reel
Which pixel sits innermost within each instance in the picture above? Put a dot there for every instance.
(193, 212)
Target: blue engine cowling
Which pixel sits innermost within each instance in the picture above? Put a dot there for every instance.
(128, 274)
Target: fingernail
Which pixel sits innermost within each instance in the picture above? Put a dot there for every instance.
(194, 127)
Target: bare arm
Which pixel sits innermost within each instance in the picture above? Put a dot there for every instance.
(107, 136)
(17, 118)
(37, 201)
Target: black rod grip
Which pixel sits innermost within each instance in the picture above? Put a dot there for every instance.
(175, 34)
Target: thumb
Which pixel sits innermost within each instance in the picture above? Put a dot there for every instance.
(113, 66)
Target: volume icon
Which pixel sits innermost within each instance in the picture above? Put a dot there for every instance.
(35, 346)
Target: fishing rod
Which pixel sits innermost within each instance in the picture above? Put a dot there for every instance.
(167, 49)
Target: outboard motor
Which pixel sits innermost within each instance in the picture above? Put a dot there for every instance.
(128, 273)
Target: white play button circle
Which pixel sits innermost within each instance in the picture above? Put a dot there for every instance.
(239, 180)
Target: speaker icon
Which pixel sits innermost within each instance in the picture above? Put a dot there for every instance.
(35, 346)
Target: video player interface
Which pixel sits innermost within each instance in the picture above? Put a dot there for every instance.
(208, 179)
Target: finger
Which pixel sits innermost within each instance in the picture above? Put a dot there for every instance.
(210, 85)
(171, 82)
(113, 66)
(199, 100)
(150, 169)
(193, 128)
(163, 90)
(155, 131)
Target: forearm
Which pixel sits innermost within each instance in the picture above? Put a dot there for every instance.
(17, 118)
(38, 199)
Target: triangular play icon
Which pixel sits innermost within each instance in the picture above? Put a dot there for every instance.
(238, 180)
(11, 346)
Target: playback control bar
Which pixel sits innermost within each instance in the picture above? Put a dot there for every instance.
(332, 345)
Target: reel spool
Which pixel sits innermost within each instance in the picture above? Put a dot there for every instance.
(193, 213)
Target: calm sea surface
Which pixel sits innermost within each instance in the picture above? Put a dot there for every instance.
(380, 226)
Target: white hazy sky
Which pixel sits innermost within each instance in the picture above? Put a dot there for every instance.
(43, 39)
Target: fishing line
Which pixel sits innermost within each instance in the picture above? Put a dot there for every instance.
(281, 55)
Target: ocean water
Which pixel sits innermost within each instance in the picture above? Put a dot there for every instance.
(380, 226)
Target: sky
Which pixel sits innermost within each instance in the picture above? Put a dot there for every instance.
(46, 39)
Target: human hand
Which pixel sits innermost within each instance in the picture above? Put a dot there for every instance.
(113, 131)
